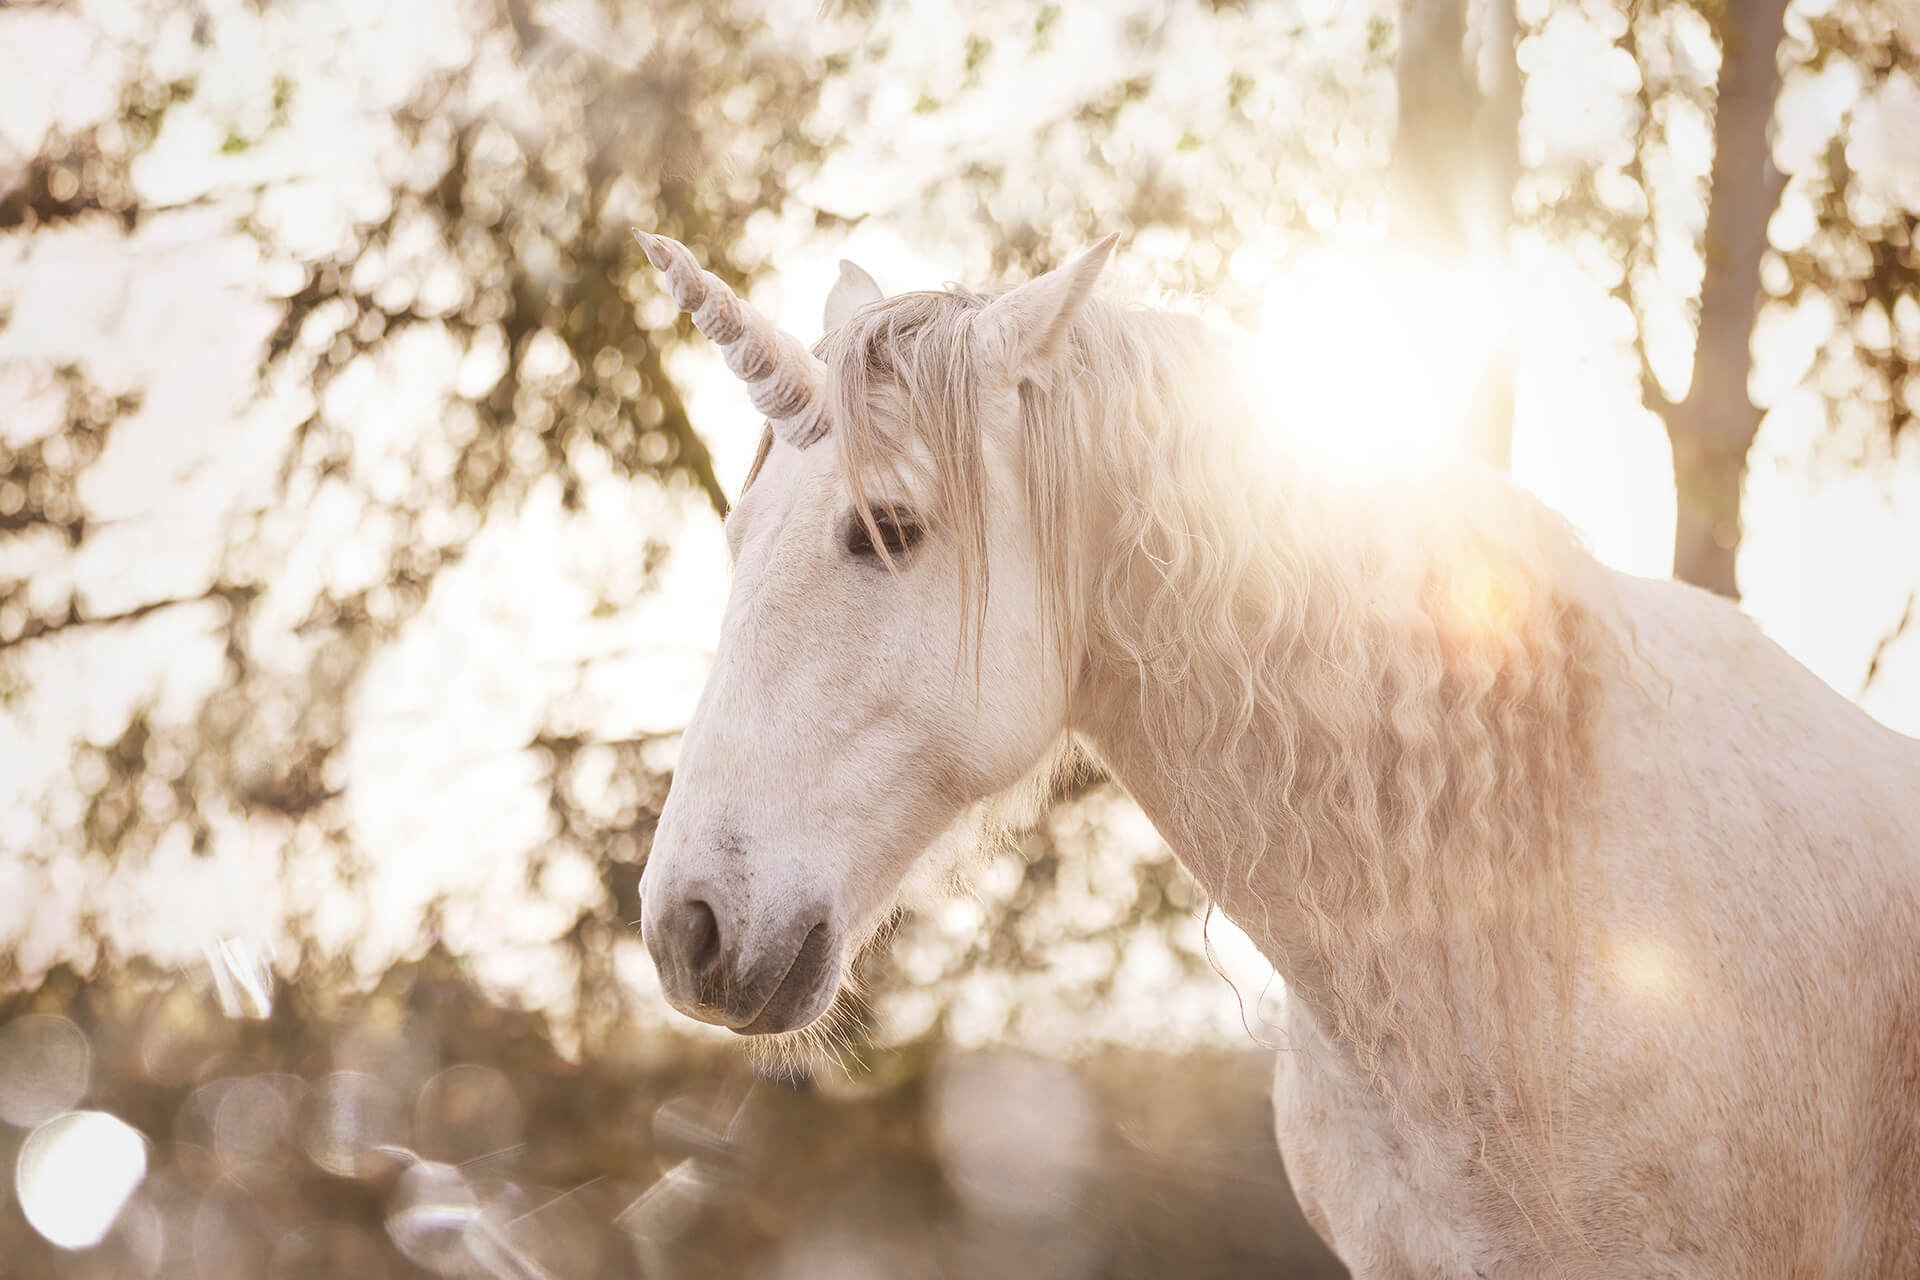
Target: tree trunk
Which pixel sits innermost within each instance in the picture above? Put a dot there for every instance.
(1438, 106)
(1712, 429)
(1455, 159)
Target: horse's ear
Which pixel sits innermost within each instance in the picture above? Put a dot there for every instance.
(852, 291)
(1023, 328)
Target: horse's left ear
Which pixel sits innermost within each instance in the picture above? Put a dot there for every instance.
(1024, 328)
(852, 291)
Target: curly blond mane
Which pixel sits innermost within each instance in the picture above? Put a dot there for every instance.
(1373, 690)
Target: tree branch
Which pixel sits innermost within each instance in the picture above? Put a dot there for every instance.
(694, 454)
(74, 620)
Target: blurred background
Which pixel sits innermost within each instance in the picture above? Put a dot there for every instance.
(361, 557)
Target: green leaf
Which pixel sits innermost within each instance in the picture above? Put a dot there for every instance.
(979, 49)
(1239, 85)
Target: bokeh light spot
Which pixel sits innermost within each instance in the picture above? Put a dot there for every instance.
(1016, 1135)
(75, 1173)
(252, 1118)
(328, 1252)
(43, 1068)
(350, 1115)
(432, 1208)
(466, 1112)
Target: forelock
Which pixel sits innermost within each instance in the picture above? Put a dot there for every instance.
(913, 357)
(913, 341)
(903, 373)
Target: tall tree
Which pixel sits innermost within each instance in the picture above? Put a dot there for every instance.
(1856, 259)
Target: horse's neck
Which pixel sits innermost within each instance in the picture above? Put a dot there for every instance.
(1174, 784)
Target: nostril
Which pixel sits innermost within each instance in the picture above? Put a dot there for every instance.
(703, 936)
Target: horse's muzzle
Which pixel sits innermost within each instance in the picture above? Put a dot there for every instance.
(740, 974)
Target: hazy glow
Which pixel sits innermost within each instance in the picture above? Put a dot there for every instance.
(75, 1173)
(1647, 968)
(1481, 602)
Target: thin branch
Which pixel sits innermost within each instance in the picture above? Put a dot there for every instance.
(1652, 394)
(74, 620)
(694, 454)
(1887, 641)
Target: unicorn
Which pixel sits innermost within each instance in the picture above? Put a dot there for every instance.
(1598, 915)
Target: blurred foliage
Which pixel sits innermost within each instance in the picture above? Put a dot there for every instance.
(1862, 255)
(1269, 136)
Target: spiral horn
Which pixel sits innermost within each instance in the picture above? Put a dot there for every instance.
(785, 380)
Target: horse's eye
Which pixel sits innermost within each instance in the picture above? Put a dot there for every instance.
(898, 533)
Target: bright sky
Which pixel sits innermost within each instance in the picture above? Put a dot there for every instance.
(445, 801)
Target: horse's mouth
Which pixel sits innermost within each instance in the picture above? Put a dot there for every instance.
(803, 992)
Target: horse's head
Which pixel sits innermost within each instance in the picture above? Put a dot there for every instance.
(867, 689)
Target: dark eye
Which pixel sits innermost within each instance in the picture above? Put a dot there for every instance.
(898, 533)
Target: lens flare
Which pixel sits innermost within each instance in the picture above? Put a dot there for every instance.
(1377, 359)
(242, 979)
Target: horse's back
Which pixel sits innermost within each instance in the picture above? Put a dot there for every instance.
(1776, 847)
(1783, 758)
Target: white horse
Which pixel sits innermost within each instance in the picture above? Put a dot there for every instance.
(1599, 916)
